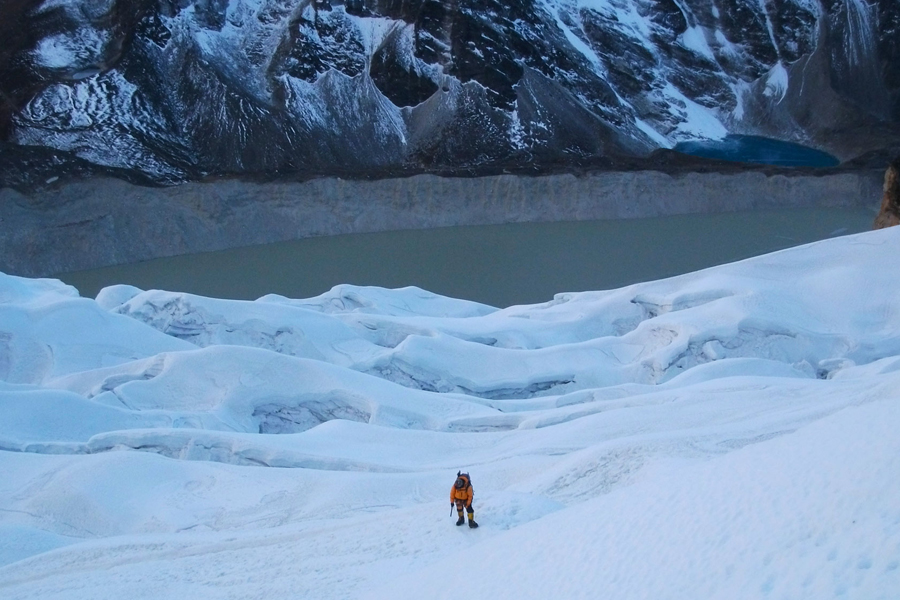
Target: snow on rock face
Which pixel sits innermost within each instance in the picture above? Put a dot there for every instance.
(714, 432)
(179, 90)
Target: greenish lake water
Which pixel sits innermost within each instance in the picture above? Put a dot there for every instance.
(500, 265)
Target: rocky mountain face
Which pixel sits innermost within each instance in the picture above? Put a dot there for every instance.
(889, 213)
(174, 90)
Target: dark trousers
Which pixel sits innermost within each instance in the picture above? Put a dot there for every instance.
(460, 505)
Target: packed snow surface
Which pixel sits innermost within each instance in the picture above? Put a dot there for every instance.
(730, 433)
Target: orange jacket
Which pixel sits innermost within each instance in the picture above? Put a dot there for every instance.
(465, 494)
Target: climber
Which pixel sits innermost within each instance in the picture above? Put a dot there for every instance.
(461, 495)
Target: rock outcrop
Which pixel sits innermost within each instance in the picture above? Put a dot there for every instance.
(889, 215)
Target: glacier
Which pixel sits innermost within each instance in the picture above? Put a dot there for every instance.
(728, 433)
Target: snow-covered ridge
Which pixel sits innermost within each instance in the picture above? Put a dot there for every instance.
(736, 412)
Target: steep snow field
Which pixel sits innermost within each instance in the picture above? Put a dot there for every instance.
(730, 433)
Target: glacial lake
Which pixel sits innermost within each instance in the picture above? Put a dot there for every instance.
(501, 265)
(760, 150)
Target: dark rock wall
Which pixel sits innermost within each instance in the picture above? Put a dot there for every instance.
(889, 52)
(173, 90)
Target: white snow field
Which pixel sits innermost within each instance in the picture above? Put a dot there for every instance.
(731, 433)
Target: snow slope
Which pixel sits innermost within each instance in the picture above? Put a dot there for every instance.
(723, 434)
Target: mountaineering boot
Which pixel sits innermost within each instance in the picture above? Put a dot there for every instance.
(472, 523)
(460, 521)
